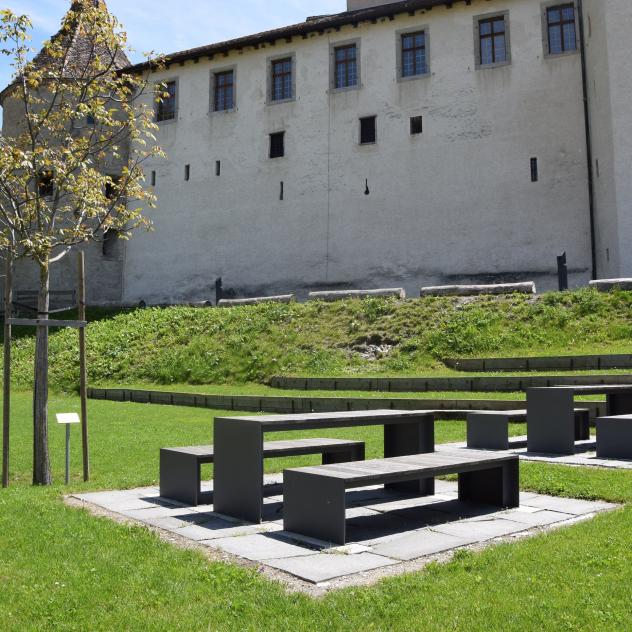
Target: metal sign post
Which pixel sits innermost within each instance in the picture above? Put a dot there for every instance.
(67, 419)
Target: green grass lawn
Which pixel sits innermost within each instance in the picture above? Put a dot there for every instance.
(251, 344)
(63, 569)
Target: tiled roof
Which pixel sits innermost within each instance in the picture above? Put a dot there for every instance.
(81, 50)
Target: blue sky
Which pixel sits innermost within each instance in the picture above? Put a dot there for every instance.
(166, 26)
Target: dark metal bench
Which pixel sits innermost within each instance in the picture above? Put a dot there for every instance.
(314, 497)
(614, 437)
(489, 430)
(180, 476)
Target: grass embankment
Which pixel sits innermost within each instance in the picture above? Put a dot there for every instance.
(62, 569)
(375, 336)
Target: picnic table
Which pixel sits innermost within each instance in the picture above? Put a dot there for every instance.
(239, 451)
(551, 419)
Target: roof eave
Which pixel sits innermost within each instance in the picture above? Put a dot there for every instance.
(303, 28)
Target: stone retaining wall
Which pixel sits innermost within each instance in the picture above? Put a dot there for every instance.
(451, 408)
(429, 384)
(552, 363)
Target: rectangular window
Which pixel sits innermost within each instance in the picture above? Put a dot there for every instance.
(414, 54)
(166, 106)
(492, 34)
(346, 66)
(187, 172)
(281, 80)
(111, 188)
(46, 184)
(110, 238)
(224, 91)
(416, 125)
(368, 131)
(153, 178)
(277, 145)
(561, 29)
(218, 168)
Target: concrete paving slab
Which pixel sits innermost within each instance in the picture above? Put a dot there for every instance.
(260, 547)
(537, 518)
(569, 505)
(390, 530)
(419, 544)
(481, 530)
(324, 567)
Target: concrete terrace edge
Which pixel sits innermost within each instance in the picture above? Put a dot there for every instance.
(451, 409)
(454, 384)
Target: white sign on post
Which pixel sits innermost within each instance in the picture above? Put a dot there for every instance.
(67, 419)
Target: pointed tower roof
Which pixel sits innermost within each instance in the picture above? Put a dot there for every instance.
(81, 48)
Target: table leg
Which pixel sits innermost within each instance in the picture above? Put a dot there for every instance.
(238, 471)
(551, 420)
(404, 439)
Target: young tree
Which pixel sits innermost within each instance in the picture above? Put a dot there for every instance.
(80, 118)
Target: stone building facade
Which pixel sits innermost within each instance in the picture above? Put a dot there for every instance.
(396, 144)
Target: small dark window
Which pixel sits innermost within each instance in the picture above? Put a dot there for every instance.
(277, 145)
(153, 178)
(110, 238)
(46, 184)
(368, 133)
(346, 66)
(111, 188)
(218, 168)
(90, 120)
(187, 172)
(281, 80)
(534, 170)
(493, 41)
(167, 99)
(414, 54)
(416, 125)
(224, 91)
(561, 29)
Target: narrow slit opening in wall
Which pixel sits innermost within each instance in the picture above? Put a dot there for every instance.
(218, 168)
(534, 170)
(416, 125)
(281, 191)
(187, 172)
(153, 178)
(597, 168)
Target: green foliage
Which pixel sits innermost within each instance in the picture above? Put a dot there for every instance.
(249, 344)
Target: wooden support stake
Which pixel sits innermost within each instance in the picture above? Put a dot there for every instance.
(6, 402)
(83, 376)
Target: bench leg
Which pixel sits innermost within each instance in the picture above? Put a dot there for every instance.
(582, 426)
(619, 404)
(354, 453)
(179, 477)
(499, 486)
(314, 506)
(488, 432)
(406, 439)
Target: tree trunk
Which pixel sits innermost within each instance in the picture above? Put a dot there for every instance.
(41, 459)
